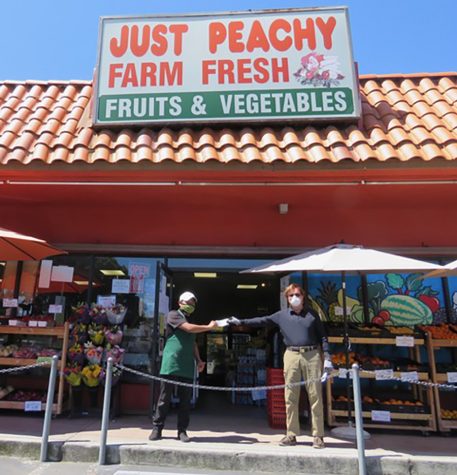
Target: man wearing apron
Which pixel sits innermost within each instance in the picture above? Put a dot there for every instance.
(179, 355)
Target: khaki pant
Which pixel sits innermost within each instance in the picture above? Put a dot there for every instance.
(305, 366)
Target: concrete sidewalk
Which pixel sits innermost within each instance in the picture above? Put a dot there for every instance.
(231, 438)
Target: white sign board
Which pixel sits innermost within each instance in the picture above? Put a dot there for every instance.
(120, 286)
(380, 416)
(62, 274)
(270, 65)
(106, 301)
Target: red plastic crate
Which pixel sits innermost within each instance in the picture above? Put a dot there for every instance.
(277, 421)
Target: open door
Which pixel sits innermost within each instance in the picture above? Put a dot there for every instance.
(163, 297)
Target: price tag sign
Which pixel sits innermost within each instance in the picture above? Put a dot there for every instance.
(55, 308)
(452, 377)
(9, 303)
(409, 376)
(380, 416)
(32, 406)
(342, 373)
(404, 341)
(44, 359)
(383, 374)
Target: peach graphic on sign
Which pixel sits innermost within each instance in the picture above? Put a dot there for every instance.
(319, 70)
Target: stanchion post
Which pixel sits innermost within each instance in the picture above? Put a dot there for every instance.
(105, 413)
(48, 411)
(359, 420)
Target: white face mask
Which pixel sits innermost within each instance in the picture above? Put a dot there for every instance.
(295, 301)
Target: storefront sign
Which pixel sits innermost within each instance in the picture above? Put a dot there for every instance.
(270, 65)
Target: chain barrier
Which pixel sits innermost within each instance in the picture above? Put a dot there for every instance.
(428, 384)
(23, 368)
(214, 388)
(276, 386)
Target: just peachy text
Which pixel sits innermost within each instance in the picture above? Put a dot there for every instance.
(281, 35)
(156, 41)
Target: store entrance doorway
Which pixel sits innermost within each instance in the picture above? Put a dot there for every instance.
(235, 356)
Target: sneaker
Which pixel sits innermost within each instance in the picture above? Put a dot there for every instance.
(156, 434)
(288, 440)
(183, 437)
(318, 443)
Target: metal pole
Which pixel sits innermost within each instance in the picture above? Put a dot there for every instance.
(48, 411)
(105, 413)
(359, 420)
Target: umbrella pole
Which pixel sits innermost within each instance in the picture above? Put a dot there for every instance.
(348, 432)
(346, 347)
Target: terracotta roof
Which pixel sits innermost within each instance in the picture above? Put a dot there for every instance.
(404, 117)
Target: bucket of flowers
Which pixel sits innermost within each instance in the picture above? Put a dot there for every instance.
(92, 375)
(113, 335)
(115, 352)
(116, 314)
(76, 353)
(93, 353)
(96, 333)
(79, 333)
(116, 376)
(98, 314)
(72, 374)
(80, 313)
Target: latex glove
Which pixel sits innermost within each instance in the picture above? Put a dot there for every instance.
(233, 321)
(328, 368)
(224, 322)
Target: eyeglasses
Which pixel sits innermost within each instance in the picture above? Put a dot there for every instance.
(294, 295)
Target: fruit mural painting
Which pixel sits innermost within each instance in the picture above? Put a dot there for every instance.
(395, 299)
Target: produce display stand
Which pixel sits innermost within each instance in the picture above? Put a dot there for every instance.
(401, 417)
(433, 345)
(61, 333)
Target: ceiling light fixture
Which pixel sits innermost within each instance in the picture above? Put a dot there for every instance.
(112, 272)
(81, 282)
(205, 275)
(247, 286)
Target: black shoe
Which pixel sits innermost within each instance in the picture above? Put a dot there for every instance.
(156, 434)
(288, 440)
(183, 437)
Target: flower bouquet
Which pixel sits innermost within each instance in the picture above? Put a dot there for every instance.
(76, 353)
(92, 375)
(98, 314)
(72, 374)
(80, 313)
(113, 335)
(79, 333)
(93, 353)
(116, 314)
(96, 333)
(117, 372)
(115, 352)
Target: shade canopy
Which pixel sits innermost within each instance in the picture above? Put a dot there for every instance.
(346, 258)
(20, 247)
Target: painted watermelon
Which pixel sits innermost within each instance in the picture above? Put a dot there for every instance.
(406, 310)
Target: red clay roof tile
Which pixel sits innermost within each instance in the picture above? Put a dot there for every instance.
(404, 117)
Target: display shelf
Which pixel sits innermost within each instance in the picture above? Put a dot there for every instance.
(433, 345)
(372, 340)
(404, 420)
(61, 333)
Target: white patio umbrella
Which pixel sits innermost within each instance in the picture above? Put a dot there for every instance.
(346, 258)
(447, 270)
